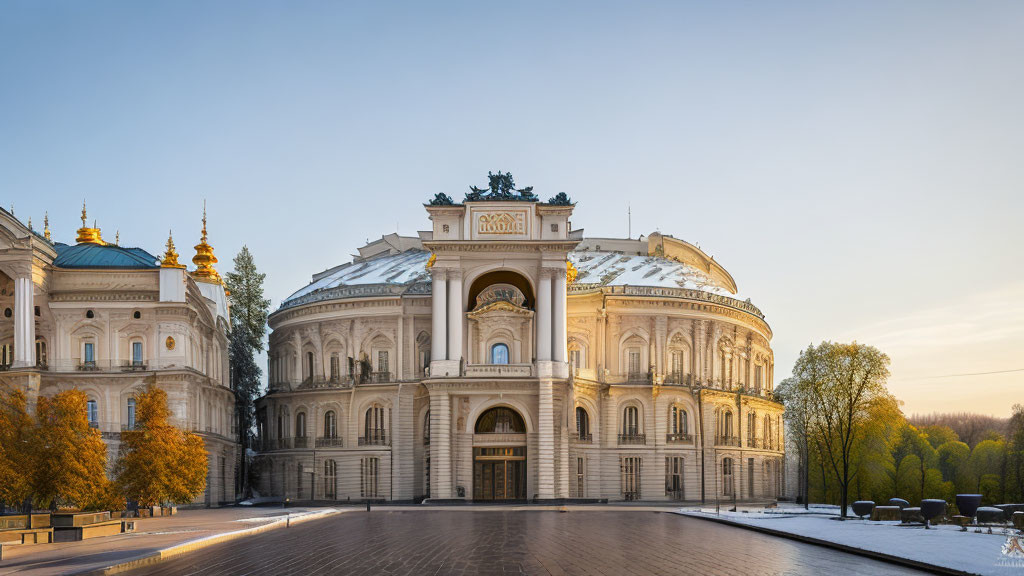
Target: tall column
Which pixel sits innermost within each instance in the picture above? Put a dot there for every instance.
(455, 317)
(439, 307)
(561, 335)
(24, 324)
(544, 316)
(440, 445)
(545, 442)
(400, 347)
(297, 369)
(660, 337)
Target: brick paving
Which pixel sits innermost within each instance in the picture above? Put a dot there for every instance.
(613, 543)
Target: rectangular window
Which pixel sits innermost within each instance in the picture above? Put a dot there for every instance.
(369, 470)
(6, 354)
(89, 355)
(727, 477)
(580, 479)
(757, 378)
(576, 358)
(634, 361)
(382, 362)
(674, 477)
(330, 480)
(335, 369)
(300, 472)
(630, 469)
(40, 353)
(137, 353)
(750, 477)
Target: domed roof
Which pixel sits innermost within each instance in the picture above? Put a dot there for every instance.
(103, 256)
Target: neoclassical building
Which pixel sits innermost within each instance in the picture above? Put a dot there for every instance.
(502, 355)
(109, 320)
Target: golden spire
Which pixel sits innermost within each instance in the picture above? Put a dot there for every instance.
(170, 257)
(46, 226)
(204, 258)
(117, 238)
(88, 235)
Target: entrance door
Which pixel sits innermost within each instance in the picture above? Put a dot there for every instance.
(499, 473)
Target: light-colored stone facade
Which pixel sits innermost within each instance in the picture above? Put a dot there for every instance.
(109, 320)
(632, 372)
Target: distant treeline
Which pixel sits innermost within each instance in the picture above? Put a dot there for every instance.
(970, 428)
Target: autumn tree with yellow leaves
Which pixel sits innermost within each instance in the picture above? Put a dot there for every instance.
(16, 463)
(69, 457)
(159, 463)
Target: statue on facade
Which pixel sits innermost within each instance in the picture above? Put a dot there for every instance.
(441, 199)
(501, 186)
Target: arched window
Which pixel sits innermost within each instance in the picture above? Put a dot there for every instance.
(499, 353)
(93, 413)
(300, 425)
(309, 364)
(631, 421)
(767, 432)
(500, 420)
(131, 413)
(583, 424)
(330, 425)
(373, 429)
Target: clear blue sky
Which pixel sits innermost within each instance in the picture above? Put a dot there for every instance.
(857, 167)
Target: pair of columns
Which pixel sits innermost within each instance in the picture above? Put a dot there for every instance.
(24, 324)
(447, 315)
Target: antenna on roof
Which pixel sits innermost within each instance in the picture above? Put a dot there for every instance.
(629, 219)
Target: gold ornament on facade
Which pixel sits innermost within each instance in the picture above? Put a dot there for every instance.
(430, 262)
(46, 226)
(169, 343)
(170, 259)
(88, 235)
(570, 272)
(204, 259)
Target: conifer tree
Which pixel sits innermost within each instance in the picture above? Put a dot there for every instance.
(159, 463)
(249, 311)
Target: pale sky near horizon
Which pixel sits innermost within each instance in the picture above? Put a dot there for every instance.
(857, 167)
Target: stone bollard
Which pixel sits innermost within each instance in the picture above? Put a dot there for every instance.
(990, 515)
(961, 521)
(910, 515)
(886, 514)
(1018, 520)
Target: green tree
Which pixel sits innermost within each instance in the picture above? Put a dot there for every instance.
(159, 463)
(1015, 454)
(249, 311)
(843, 383)
(70, 456)
(987, 465)
(939, 434)
(954, 463)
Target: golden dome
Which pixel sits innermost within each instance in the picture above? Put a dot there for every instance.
(570, 272)
(88, 235)
(170, 259)
(204, 259)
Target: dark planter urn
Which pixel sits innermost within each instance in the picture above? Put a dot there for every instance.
(863, 508)
(932, 508)
(898, 502)
(990, 515)
(968, 504)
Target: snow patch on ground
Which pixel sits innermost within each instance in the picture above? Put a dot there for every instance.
(943, 545)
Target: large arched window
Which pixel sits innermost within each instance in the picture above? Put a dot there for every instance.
(309, 365)
(583, 424)
(330, 424)
(500, 420)
(300, 425)
(374, 432)
(726, 431)
(499, 353)
(631, 420)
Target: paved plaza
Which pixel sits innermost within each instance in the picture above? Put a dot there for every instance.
(617, 542)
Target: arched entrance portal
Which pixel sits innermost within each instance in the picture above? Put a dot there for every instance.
(499, 467)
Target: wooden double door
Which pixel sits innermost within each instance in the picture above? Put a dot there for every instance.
(499, 473)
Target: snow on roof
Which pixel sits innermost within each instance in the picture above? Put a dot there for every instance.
(395, 273)
(600, 268)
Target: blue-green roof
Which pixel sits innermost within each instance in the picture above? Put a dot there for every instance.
(96, 256)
